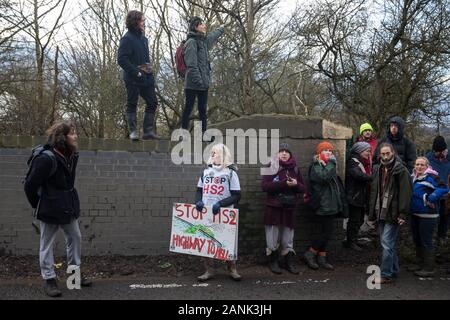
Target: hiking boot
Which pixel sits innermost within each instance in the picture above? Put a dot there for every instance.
(209, 274)
(233, 271)
(148, 127)
(323, 263)
(310, 259)
(85, 282)
(428, 265)
(352, 245)
(384, 280)
(51, 288)
(134, 136)
(273, 263)
(289, 259)
(419, 261)
(132, 124)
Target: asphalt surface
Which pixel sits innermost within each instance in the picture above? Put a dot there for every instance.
(258, 284)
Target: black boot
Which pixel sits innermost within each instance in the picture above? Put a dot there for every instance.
(428, 264)
(132, 123)
(85, 282)
(310, 259)
(323, 262)
(273, 264)
(149, 119)
(419, 261)
(51, 288)
(290, 266)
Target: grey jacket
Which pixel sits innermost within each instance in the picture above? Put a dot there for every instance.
(197, 59)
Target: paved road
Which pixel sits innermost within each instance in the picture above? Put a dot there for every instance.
(258, 284)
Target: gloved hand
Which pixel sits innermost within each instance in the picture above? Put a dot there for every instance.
(199, 206)
(332, 158)
(216, 208)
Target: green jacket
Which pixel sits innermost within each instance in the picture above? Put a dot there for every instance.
(196, 56)
(397, 193)
(327, 188)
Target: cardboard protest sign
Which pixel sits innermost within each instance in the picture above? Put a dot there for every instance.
(203, 233)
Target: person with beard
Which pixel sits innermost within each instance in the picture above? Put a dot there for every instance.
(440, 161)
(358, 173)
(219, 175)
(404, 148)
(390, 200)
(198, 69)
(328, 192)
(281, 205)
(134, 58)
(56, 202)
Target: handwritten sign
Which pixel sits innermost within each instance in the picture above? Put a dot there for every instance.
(203, 233)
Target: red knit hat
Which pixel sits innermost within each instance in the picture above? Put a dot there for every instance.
(324, 146)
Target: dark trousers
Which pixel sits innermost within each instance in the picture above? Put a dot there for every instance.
(190, 96)
(355, 220)
(327, 230)
(443, 222)
(147, 93)
(422, 231)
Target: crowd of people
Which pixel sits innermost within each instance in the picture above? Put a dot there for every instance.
(386, 184)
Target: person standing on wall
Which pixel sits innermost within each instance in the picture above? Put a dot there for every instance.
(134, 58)
(198, 69)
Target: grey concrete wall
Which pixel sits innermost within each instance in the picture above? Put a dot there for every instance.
(127, 195)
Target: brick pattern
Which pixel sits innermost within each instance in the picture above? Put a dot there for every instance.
(126, 200)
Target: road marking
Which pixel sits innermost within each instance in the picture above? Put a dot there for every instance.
(205, 285)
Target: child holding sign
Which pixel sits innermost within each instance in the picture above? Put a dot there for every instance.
(218, 187)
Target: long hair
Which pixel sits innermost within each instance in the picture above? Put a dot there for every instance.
(132, 20)
(57, 135)
(388, 145)
(223, 153)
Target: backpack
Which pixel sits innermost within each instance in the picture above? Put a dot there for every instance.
(37, 151)
(179, 60)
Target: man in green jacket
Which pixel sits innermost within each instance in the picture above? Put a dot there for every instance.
(390, 199)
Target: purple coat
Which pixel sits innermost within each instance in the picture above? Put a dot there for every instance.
(275, 184)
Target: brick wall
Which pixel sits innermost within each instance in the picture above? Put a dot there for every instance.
(126, 196)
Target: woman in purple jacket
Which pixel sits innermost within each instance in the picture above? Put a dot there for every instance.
(281, 205)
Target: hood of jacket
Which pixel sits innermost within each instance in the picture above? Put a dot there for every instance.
(401, 127)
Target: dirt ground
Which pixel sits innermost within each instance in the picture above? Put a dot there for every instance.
(178, 265)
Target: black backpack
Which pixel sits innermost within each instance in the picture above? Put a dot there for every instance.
(37, 151)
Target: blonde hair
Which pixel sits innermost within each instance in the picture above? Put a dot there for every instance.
(422, 158)
(223, 153)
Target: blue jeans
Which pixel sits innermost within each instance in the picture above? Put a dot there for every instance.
(388, 238)
(422, 231)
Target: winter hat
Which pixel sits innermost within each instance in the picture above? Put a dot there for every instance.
(285, 146)
(324, 146)
(360, 147)
(194, 22)
(439, 144)
(364, 127)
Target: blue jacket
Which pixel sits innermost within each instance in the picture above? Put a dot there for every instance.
(442, 167)
(427, 188)
(133, 52)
